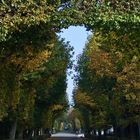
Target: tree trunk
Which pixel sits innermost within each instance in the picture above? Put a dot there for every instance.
(33, 133)
(105, 132)
(139, 128)
(99, 132)
(132, 135)
(13, 130)
(122, 132)
(20, 135)
(36, 132)
(42, 131)
(116, 131)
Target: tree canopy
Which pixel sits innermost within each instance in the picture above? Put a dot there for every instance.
(108, 77)
(34, 61)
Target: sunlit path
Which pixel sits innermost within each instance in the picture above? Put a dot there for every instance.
(65, 136)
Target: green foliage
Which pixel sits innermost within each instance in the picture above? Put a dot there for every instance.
(18, 15)
(33, 82)
(76, 119)
(50, 85)
(33, 61)
(110, 15)
(108, 72)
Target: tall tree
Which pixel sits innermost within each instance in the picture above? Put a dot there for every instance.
(106, 68)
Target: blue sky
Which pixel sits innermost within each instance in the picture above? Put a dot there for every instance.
(77, 36)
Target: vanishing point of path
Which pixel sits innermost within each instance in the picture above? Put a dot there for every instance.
(65, 136)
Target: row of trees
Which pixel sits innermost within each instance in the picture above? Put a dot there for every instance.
(34, 61)
(33, 87)
(108, 82)
(33, 67)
